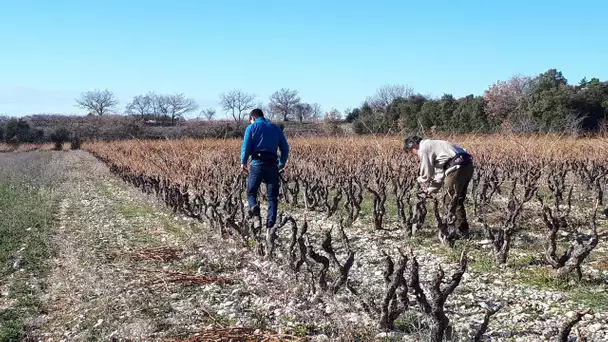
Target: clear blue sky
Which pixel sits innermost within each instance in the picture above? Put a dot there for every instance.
(335, 53)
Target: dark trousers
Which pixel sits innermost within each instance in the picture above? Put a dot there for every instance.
(268, 173)
(457, 183)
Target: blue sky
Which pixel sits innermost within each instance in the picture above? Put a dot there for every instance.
(335, 53)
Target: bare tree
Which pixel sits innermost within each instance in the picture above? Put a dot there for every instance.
(316, 111)
(160, 107)
(237, 103)
(268, 114)
(141, 105)
(302, 111)
(99, 102)
(208, 113)
(178, 105)
(283, 102)
(333, 115)
(388, 93)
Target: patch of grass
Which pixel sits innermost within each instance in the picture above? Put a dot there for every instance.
(24, 226)
(417, 240)
(261, 320)
(411, 323)
(367, 207)
(589, 293)
(26, 220)
(521, 261)
(298, 329)
(104, 189)
(124, 208)
(482, 262)
(192, 265)
(12, 330)
(173, 228)
(543, 279)
(303, 330)
(452, 254)
(391, 208)
(219, 320)
(145, 239)
(129, 210)
(594, 299)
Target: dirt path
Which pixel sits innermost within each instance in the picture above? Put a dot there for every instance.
(128, 269)
(92, 286)
(98, 289)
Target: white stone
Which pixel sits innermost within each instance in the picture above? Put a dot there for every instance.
(595, 327)
(393, 335)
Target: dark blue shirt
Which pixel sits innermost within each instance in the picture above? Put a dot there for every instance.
(264, 136)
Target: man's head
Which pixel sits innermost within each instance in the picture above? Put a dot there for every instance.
(254, 114)
(412, 143)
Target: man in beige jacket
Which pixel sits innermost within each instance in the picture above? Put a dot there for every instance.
(442, 162)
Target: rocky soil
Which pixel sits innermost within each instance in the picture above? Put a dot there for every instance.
(129, 269)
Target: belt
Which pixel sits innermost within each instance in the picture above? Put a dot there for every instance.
(265, 157)
(459, 159)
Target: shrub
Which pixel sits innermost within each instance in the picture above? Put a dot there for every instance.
(59, 137)
(359, 128)
(75, 143)
(17, 131)
(353, 115)
(332, 129)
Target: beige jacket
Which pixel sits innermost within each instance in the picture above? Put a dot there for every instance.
(433, 155)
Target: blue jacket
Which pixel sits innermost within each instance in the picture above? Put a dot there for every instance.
(264, 136)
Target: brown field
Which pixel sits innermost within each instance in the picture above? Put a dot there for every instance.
(531, 198)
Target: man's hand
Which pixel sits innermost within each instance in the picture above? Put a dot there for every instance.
(424, 195)
(244, 168)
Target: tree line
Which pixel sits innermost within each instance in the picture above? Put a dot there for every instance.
(522, 104)
(284, 104)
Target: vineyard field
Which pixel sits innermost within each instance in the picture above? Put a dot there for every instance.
(363, 256)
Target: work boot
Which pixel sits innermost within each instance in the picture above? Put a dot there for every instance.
(253, 212)
(463, 230)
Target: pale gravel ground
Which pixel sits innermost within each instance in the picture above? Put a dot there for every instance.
(98, 292)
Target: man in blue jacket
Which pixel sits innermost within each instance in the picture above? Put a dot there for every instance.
(261, 141)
